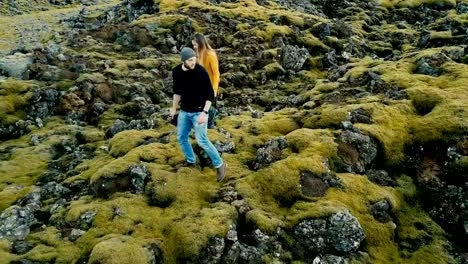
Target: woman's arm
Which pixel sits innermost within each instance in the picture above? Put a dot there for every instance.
(213, 65)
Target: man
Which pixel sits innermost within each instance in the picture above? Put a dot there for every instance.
(193, 90)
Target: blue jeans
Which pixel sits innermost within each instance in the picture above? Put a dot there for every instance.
(185, 122)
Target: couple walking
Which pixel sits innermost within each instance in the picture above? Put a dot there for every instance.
(195, 90)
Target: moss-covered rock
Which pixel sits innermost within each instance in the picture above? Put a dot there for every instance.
(118, 250)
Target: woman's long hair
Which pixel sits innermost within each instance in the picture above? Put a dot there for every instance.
(203, 48)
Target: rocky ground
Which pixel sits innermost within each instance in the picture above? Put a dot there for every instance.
(344, 124)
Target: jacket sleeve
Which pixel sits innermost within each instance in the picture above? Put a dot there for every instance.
(175, 82)
(206, 84)
(213, 65)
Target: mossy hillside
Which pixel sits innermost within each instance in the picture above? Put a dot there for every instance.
(242, 9)
(163, 23)
(27, 6)
(26, 163)
(443, 96)
(271, 190)
(11, 31)
(195, 218)
(447, 94)
(415, 3)
(414, 223)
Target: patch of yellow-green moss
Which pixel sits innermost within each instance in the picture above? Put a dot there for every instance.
(391, 127)
(241, 9)
(11, 194)
(414, 3)
(5, 249)
(270, 30)
(14, 95)
(311, 41)
(118, 250)
(24, 166)
(91, 77)
(91, 135)
(125, 141)
(327, 116)
(269, 190)
(185, 226)
(26, 163)
(52, 247)
(108, 117)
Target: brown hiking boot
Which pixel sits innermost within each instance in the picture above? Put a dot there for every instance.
(185, 164)
(221, 172)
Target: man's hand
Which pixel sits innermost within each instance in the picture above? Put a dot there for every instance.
(202, 118)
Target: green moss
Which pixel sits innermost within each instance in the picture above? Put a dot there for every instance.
(125, 141)
(14, 95)
(93, 78)
(24, 166)
(42, 253)
(52, 247)
(391, 127)
(245, 9)
(11, 194)
(65, 85)
(273, 69)
(90, 135)
(90, 167)
(189, 236)
(113, 168)
(185, 226)
(118, 250)
(327, 116)
(5, 249)
(424, 100)
(441, 35)
(271, 30)
(414, 3)
(311, 41)
(109, 116)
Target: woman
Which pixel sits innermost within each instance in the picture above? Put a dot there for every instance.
(209, 60)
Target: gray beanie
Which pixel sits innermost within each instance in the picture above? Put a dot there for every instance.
(187, 53)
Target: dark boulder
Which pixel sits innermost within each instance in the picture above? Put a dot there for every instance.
(356, 152)
(269, 153)
(85, 221)
(293, 57)
(117, 127)
(21, 247)
(380, 177)
(139, 176)
(340, 233)
(15, 223)
(134, 180)
(312, 186)
(361, 116)
(54, 190)
(431, 65)
(381, 211)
